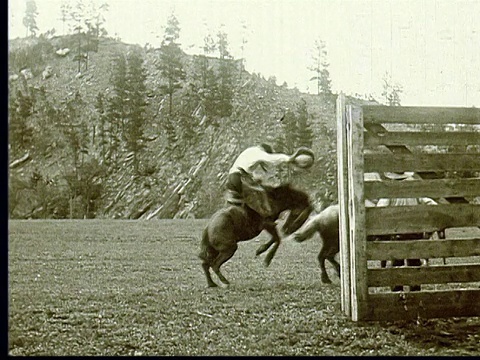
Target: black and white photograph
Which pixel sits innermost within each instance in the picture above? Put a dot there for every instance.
(243, 178)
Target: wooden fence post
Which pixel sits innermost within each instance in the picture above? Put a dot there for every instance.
(342, 182)
(358, 243)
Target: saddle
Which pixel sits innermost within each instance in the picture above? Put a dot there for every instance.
(254, 196)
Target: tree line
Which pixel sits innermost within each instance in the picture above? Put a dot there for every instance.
(192, 101)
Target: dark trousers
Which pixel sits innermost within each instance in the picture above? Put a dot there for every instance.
(401, 262)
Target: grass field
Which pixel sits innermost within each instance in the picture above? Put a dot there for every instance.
(109, 287)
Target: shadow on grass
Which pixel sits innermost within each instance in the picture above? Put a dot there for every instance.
(455, 335)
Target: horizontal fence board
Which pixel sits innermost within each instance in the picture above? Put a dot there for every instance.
(424, 304)
(420, 115)
(424, 249)
(434, 188)
(416, 138)
(421, 162)
(442, 274)
(419, 218)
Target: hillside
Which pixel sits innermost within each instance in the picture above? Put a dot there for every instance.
(173, 180)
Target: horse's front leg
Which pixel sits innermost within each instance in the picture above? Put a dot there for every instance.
(264, 247)
(272, 229)
(296, 219)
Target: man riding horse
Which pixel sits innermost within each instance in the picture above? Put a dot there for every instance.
(264, 166)
(255, 205)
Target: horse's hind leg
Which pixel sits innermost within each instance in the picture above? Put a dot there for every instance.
(221, 258)
(323, 271)
(330, 253)
(206, 269)
(324, 276)
(335, 264)
(207, 255)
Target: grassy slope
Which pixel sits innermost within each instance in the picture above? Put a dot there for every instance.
(136, 288)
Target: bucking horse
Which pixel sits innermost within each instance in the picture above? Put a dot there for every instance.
(235, 223)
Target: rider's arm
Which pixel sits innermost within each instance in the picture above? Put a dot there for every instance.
(276, 159)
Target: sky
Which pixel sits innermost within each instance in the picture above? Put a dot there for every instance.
(430, 47)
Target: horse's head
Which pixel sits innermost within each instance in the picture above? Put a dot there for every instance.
(254, 194)
(294, 200)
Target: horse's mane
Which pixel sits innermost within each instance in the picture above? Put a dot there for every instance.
(289, 193)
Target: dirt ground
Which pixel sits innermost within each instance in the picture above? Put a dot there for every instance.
(114, 287)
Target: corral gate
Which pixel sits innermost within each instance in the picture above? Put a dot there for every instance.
(375, 139)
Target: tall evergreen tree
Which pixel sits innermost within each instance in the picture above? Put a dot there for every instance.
(205, 80)
(65, 11)
(286, 140)
(226, 76)
(296, 129)
(86, 20)
(320, 67)
(74, 128)
(100, 106)
(116, 106)
(77, 16)
(94, 19)
(136, 104)
(29, 20)
(172, 69)
(391, 91)
(304, 130)
(20, 109)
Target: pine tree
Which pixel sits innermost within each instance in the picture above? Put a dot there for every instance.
(96, 22)
(304, 130)
(296, 130)
(19, 111)
(94, 19)
(205, 84)
(226, 76)
(286, 142)
(29, 20)
(242, 49)
(116, 106)
(172, 69)
(136, 88)
(320, 67)
(65, 11)
(100, 106)
(391, 91)
(74, 127)
(78, 16)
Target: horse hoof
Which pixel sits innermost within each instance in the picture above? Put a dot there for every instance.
(326, 281)
(211, 285)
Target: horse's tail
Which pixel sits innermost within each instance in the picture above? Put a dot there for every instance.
(320, 206)
(308, 229)
(204, 245)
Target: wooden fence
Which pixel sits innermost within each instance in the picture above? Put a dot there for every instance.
(441, 146)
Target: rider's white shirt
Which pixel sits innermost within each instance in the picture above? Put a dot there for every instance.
(250, 159)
